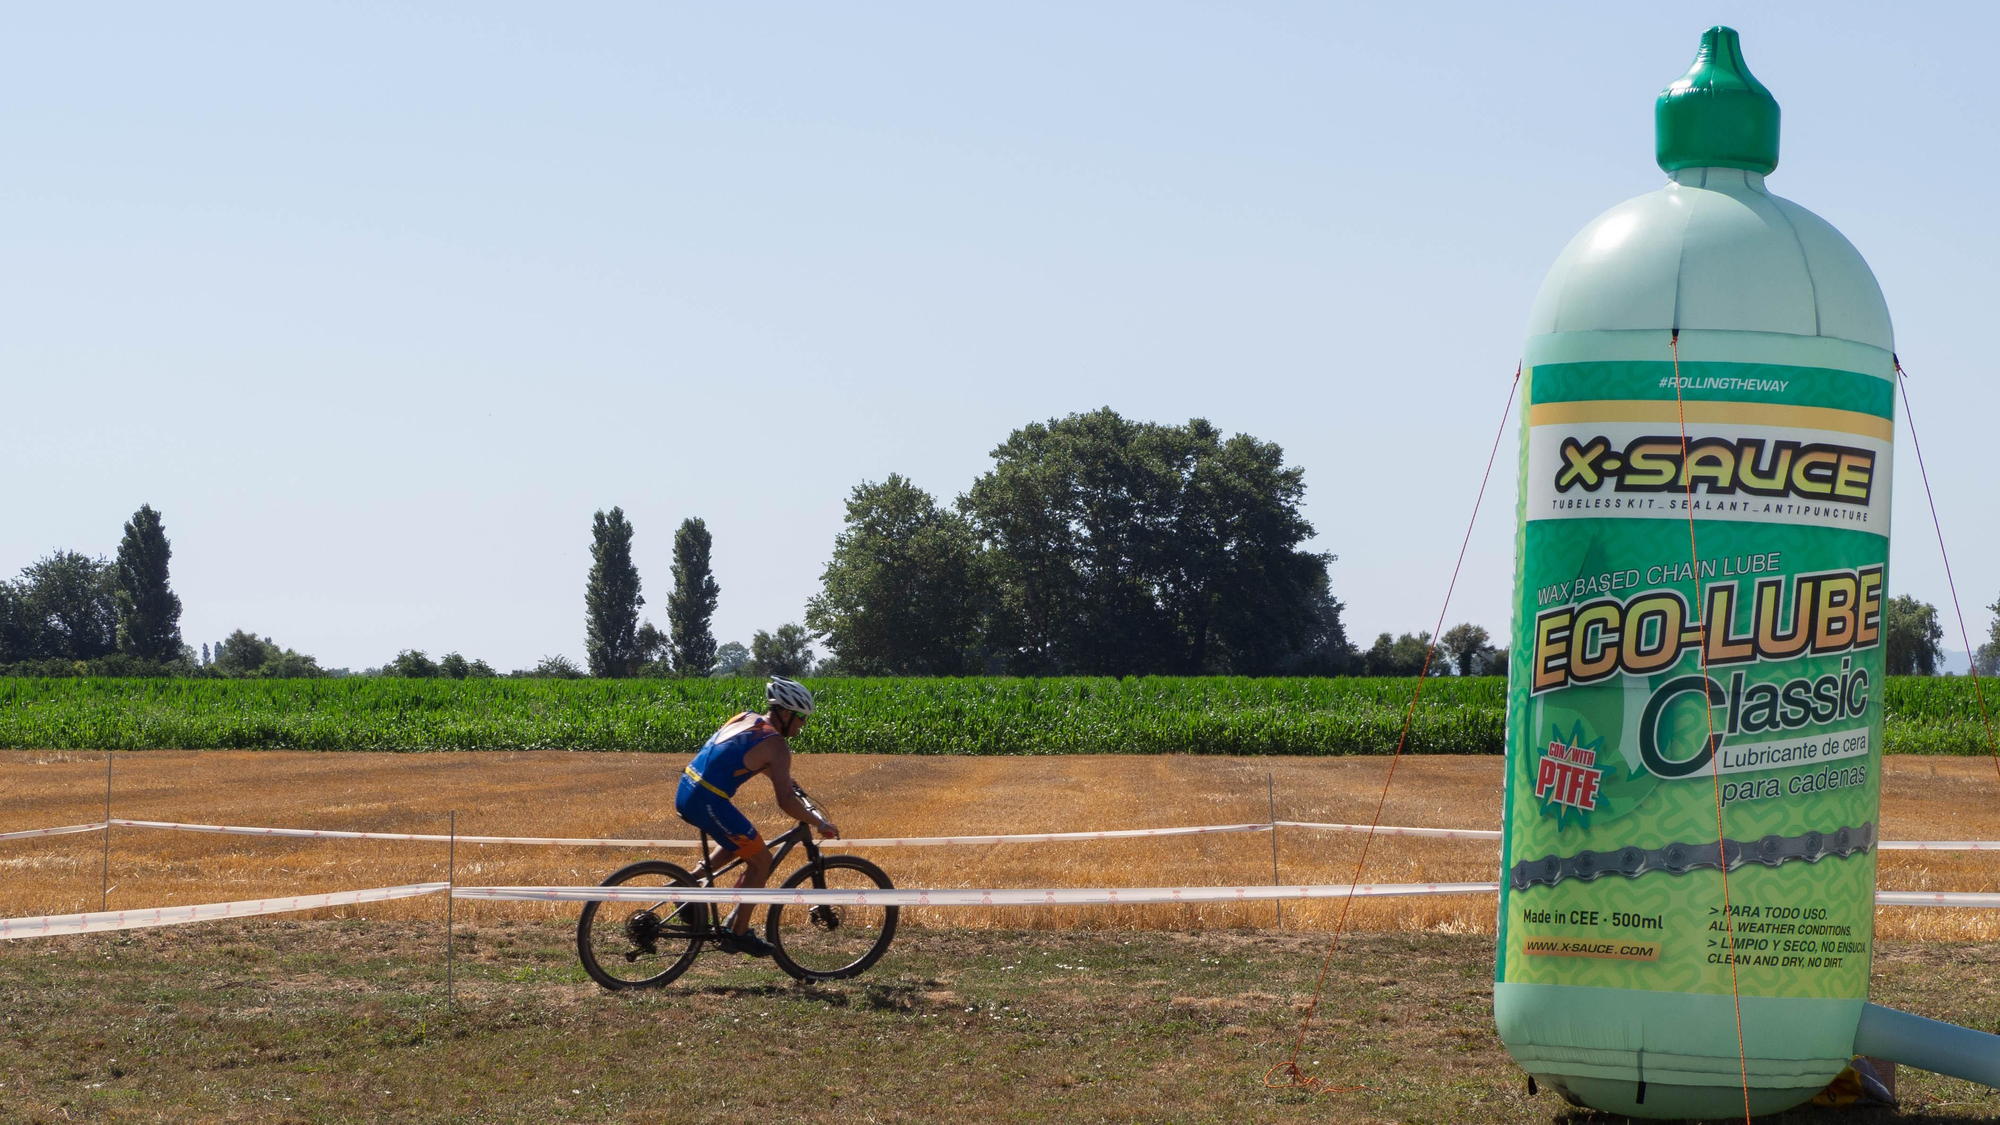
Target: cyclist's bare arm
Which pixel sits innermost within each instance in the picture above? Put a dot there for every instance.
(778, 756)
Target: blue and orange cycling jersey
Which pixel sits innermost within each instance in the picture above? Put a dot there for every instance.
(720, 760)
(715, 775)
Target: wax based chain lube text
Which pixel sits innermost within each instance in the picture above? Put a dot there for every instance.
(1673, 570)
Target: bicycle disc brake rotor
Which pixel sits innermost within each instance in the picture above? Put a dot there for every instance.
(825, 918)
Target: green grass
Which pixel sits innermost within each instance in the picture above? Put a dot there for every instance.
(1152, 715)
(344, 1021)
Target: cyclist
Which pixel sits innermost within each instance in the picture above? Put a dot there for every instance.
(747, 745)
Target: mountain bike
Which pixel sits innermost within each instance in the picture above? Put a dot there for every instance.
(628, 945)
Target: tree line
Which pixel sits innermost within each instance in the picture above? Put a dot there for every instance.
(120, 615)
(1096, 545)
(1100, 545)
(1093, 545)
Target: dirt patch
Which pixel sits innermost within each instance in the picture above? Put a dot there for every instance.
(629, 795)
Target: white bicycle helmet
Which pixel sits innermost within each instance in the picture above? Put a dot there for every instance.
(789, 694)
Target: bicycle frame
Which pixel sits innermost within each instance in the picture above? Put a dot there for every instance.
(796, 836)
(608, 942)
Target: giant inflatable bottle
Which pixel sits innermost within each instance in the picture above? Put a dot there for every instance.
(1649, 683)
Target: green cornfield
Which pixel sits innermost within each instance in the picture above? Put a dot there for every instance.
(1150, 715)
(1939, 715)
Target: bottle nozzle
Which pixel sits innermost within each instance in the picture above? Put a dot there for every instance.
(1717, 115)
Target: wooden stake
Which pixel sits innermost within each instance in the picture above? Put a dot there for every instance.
(104, 895)
(1271, 791)
(451, 876)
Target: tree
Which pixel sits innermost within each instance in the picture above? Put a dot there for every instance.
(902, 595)
(692, 604)
(244, 655)
(1327, 651)
(149, 613)
(413, 664)
(611, 598)
(1403, 656)
(650, 649)
(1122, 547)
(788, 652)
(1988, 657)
(730, 659)
(1911, 636)
(456, 667)
(69, 607)
(450, 666)
(1464, 645)
(291, 665)
(21, 636)
(1241, 593)
(556, 667)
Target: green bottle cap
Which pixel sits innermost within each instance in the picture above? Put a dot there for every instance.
(1717, 115)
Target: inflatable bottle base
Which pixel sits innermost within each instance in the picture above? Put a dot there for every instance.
(1673, 1054)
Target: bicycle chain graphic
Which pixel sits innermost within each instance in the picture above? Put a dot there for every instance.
(1679, 859)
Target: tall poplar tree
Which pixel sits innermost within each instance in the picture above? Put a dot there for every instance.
(611, 598)
(692, 604)
(149, 613)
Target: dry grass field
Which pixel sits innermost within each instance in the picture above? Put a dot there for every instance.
(630, 795)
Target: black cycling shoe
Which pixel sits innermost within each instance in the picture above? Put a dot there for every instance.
(746, 943)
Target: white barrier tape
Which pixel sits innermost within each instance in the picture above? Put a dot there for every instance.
(65, 830)
(1052, 837)
(206, 912)
(886, 841)
(879, 842)
(1936, 898)
(1012, 896)
(1394, 830)
(1069, 896)
(419, 837)
(57, 925)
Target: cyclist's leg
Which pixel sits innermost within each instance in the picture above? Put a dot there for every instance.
(756, 872)
(737, 838)
(744, 844)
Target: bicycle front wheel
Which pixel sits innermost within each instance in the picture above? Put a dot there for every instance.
(641, 944)
(832, 941)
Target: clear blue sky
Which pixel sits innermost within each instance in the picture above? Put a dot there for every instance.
(377, 303)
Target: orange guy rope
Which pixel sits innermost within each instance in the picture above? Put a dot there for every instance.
(1902, 382)
(1708, 712)
(1286, 1075)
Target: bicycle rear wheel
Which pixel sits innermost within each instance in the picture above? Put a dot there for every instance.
(642, 944)
(832, 942)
